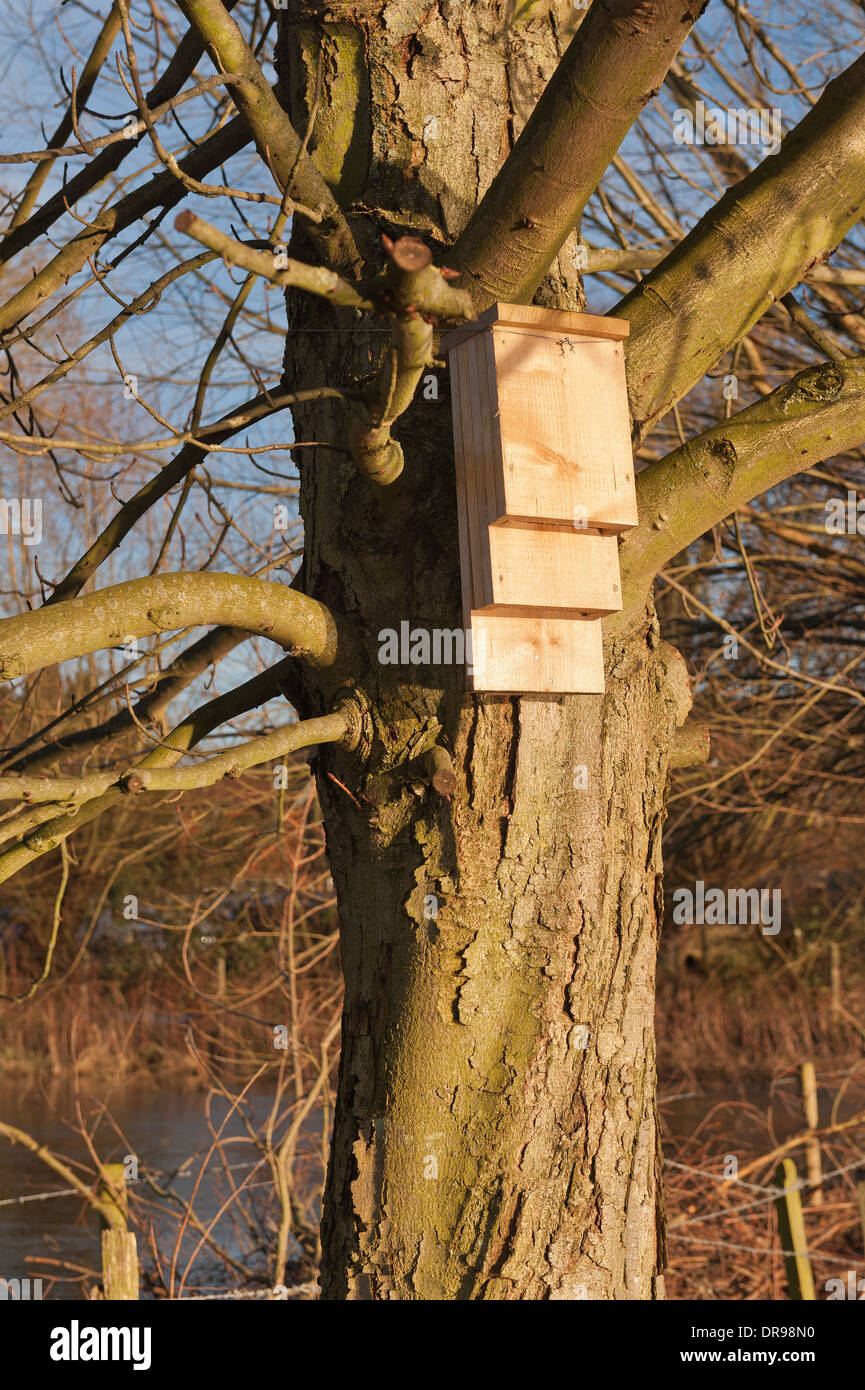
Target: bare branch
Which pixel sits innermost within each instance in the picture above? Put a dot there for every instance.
(140, 305)
(179, 741)
(169, 683)
(758, 241)
(599, 259)
(616, 63)
(275, 138)
(174, 472)
(98, 55)
(330, 728)
(820, 411)
(129, 131)
(315, 279)
(180, 68)
(161, 192)
(412, 292)
(19, 1136)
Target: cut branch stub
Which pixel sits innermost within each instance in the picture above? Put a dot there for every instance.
(440, 770)
(691, 745)
(314, 279)
(412, 292)
(408, 252)
(415, 295)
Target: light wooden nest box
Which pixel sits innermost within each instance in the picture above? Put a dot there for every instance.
(545, 482)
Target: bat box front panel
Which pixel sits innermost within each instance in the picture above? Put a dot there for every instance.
(543, 569)
(563, 447)
(531, 654)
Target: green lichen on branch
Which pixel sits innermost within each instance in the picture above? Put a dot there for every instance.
(275, 138)
(820, 411)
(330, 728)
(143, 607)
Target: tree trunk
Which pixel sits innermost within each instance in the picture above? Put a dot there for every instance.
(495, 1134)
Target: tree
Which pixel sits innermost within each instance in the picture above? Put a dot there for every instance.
(496, 1134)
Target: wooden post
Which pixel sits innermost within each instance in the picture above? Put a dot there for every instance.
(860, 1193)
(791, 1232)
(219, 1042)
(835, 977)
(812, 1120)
(119, 1248)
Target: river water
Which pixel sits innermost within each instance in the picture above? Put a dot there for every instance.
(162, 1128)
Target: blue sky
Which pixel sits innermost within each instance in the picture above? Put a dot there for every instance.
(165, 349)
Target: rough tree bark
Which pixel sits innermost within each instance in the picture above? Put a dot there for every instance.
(496, 1134)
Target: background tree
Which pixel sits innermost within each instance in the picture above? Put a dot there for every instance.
(480, 1150)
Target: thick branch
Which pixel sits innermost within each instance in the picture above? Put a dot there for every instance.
(615, 63)
(758, 241)
(164, 603)
(376, 453)
(133, 127)
(819, 412)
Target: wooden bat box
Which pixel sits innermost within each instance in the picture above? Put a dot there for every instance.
(545, 482)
